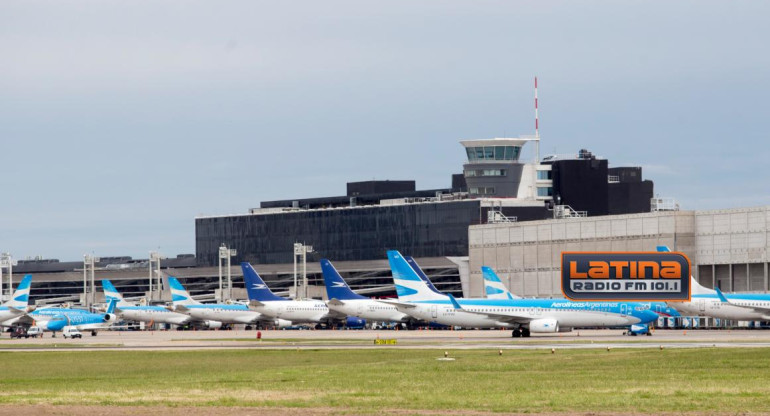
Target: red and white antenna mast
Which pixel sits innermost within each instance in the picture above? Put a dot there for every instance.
(537, 128)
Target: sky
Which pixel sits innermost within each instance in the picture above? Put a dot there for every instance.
(121, 121)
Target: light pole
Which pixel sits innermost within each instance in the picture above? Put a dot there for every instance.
(301, 250)
(225, 254)
(155, 275)
(89, 268)
(6, 262)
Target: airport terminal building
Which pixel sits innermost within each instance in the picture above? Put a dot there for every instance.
(514, 216)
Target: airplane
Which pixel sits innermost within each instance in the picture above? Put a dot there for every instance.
(715, 304)
(18, 304)
(495, 289)
(54, 319)
(212, 316)
(128, 311)
(346, 302)
(262, 299)
(523, 316)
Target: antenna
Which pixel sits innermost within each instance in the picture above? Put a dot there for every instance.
(537, 128)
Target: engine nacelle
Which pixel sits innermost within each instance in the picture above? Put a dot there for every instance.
(212, 324)
(549, 325)
(352, 322)
(281, 323)
(110, 317)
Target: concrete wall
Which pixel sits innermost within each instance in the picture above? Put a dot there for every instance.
(726, 247)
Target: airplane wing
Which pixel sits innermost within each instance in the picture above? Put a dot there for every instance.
(398, 304)
(180, 309)
(758, 309)
(508, 317)
(335, 302)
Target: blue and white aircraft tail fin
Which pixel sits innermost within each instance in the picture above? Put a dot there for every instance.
(111, 292)
(423, 276)
(695, 287)
(494, 287)
(256, 287)
(20, 298)
(336, 287)
(409, 285)
(179, 295)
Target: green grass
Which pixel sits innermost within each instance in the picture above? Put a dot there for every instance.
(706, 380)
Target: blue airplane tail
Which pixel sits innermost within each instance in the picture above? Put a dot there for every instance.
(111, 292)
(494, 287)
(179, 295)
(409, 285)
(256, 287)
(20, 297)
(336, 287)
(423, 276)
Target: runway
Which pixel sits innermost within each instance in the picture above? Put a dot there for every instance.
(358, 339)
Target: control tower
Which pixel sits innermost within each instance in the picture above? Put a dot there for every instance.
(493, 170)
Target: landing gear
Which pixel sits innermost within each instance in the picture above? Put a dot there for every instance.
(93, 333)
(516, 333)
(525, 332)
(248, 328)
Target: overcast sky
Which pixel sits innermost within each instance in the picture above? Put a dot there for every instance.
(120, 121)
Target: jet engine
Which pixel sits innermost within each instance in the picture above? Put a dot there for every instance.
(110, 317)
(351, 322)
(281, 323)
(212, 324)
(548, 325)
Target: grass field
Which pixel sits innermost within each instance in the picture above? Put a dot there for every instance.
(363, 381)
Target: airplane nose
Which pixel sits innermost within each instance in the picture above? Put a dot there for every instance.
(649, 316)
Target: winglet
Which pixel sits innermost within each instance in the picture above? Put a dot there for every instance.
(455, 304)
(721, 295)
(662, 249)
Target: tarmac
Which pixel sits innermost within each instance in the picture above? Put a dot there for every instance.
(367, 339)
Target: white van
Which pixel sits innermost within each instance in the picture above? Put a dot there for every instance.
(71, 332)
(35, 332)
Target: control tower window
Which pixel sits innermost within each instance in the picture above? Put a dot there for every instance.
(482, 153)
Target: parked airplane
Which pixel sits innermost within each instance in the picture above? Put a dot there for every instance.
(733, 306)
(128, 311)
(214, 315)
(495, 289)
(297, 311)
(54, 319)
(524, 316)
(346, 302)
(18, 304)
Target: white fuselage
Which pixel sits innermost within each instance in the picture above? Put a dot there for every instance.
(448, 315)
(371, 310)
(711, 305)
(297, 311)
(229, 314)
(155, 314)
